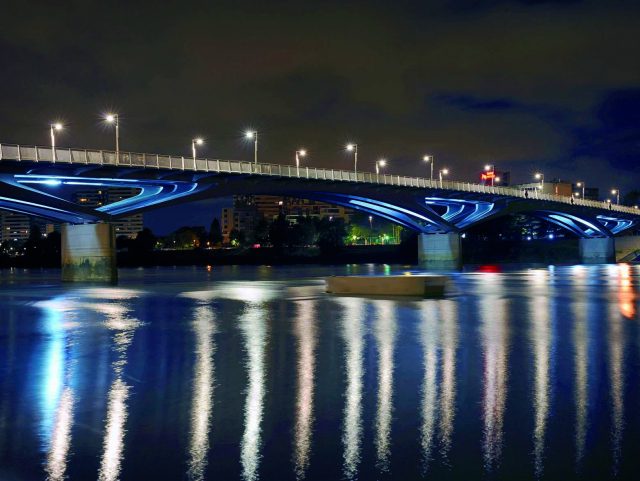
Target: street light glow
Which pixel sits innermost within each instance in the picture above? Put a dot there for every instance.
(614, 191)
(497, 179)
(445, 171)
(302, 152)
(57, 126)
(382, 162)
(427, 158)
(350, 147)
(538, 175)
(487, 167)
(110, 118)
(250, 134)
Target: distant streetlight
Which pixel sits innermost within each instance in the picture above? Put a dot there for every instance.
(491, 168)
(442, 172)
(497, 179)
(115, 120)
(616, 192)
(380, 163)
(370, 222)
(194, 142)
(430, 160)
(354, 148)
(299, 153)
(540, 176)
(253, 134)
(53, 128)
(583, 185)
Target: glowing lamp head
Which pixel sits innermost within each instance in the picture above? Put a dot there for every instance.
(111, 118)
(614, 191)
(538, 175)
(57, 126)
(350, 147)
(302, 152)
(250, 134)
(198, 141)
(579, 184)
(382, 162)
(487, 167)
(445, 171)
(427, 158)
(497, 179)
(608, 200)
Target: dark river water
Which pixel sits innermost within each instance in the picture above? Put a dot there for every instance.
(255, 373)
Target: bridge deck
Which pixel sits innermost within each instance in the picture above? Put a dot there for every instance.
(21, 153)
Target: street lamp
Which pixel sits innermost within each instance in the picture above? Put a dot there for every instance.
(53, 128)
(540, 176)
(253, 134)
(354, 148)
(442, 172)
(115, 120)
(299, 153)
(194, 142)
(430, 160)
(616, 192)
(583, 185)
(380, 163)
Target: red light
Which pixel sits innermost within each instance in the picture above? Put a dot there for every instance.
(256, 246)
(491, 268)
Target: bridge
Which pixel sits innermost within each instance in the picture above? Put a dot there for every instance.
(438, 210)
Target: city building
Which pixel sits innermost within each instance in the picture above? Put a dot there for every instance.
(14, 226)
(248, 210)
(495, 178)
(554, 187)
(128, 226)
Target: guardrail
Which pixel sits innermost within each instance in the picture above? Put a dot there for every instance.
(156, 161)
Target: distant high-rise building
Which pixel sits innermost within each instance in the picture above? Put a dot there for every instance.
(249, 209)
(14, 226)
(128, 226)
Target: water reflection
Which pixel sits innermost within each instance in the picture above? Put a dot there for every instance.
(353, 334)
(58, 394)
(429, 335)
(449, 336)
(306, 337)
(254, 332)
(581, 363)
(615, 341)
(626, 293)
(494, 334)
(540, 335)
(123, 326)
(385, 332)
(204, 327)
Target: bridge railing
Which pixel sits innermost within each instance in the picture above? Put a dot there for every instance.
(132, 159)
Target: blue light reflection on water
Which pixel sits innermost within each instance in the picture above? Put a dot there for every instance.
(530, 374)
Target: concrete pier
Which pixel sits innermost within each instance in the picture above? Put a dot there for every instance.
(598, 250)
(89, 253)
(627, 248)
(439, 251)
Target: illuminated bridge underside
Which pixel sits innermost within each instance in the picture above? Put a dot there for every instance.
(35, 190)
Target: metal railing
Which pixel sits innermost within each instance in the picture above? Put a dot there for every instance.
(156, 161)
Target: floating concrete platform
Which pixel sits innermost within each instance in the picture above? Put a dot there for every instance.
(407, 285)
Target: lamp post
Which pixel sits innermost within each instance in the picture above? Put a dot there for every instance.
(253, 134)
(194, 142)
(299, 153)
(581, 184)
(380, 163)
(354, 148)
(491, 168)
(540, 176)
(115, 120)
(53, 128)
(430, 160)
(616, 192)
(442, 172)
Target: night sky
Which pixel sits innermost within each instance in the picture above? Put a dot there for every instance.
(527, 85)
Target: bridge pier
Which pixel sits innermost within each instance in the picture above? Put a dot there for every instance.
(89, 253)
(439, 251)
(598, 250)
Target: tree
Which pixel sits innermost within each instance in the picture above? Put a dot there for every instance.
(236, 237)
(215, 232)
(331, 234)
(278, 232)
(145, 241)
(261, 231)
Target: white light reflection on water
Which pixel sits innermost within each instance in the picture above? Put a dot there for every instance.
(540, 335)
(449, 341)
(495, 340)
(124, 327)
(305, 332)
(429, 335)
(57, 395)
(353, 334)
(253, 325)
(581, 361)
(385, 333)
(615, 341)
(203, 384)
